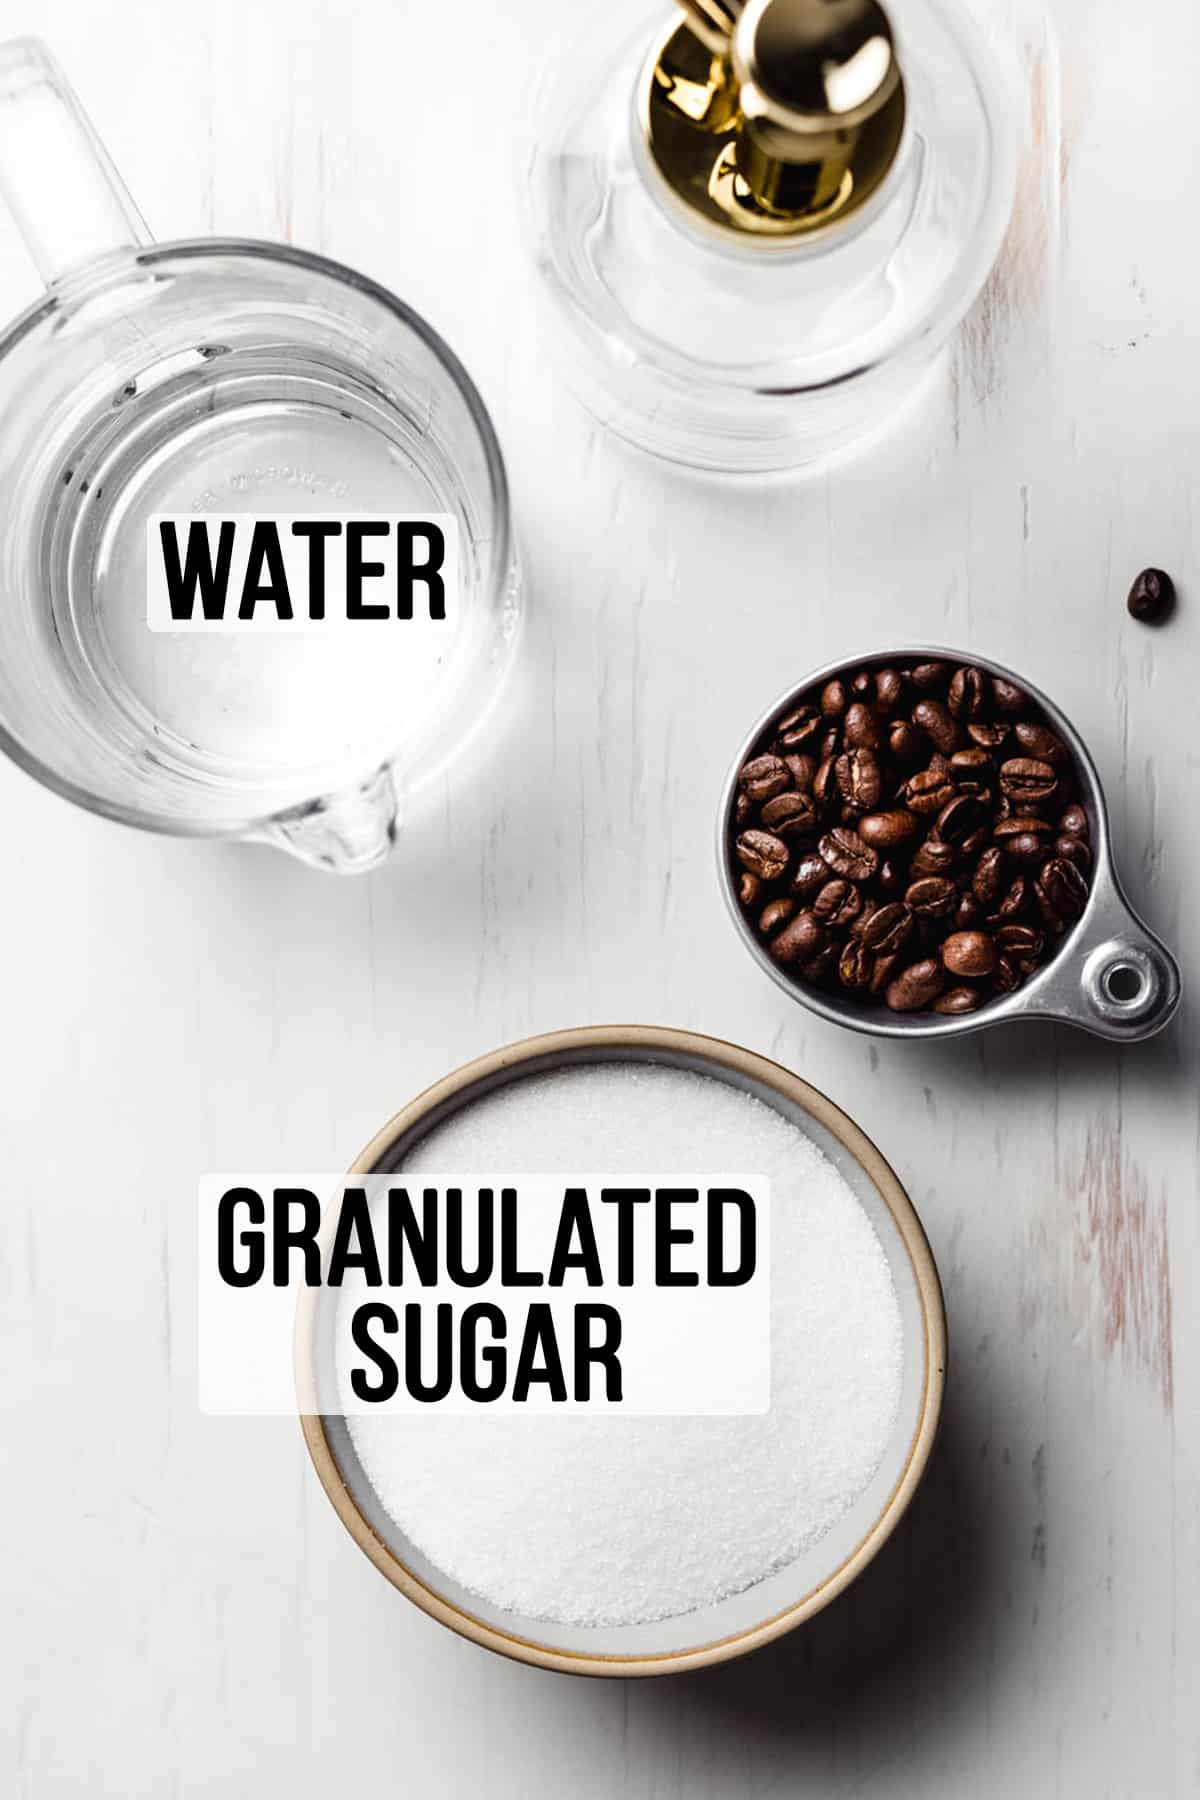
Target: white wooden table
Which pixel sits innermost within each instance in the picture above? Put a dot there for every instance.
(180, 1612)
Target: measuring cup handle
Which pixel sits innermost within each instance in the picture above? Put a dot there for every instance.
(1117, 980)
(347, 832)
(1130, 984)
(56, 178)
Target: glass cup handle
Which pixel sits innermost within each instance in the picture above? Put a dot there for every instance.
(56, 178)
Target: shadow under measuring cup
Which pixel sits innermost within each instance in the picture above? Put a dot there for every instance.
(231, 377)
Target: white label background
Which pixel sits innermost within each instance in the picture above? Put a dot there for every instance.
(377, 590)
(684, 1351)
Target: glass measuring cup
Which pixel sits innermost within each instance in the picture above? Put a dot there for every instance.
(236, 377)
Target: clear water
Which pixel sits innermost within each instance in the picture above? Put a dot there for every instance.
(245, 433)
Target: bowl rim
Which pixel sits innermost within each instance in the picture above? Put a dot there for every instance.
(546, 1050)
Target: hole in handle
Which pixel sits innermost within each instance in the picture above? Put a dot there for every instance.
(1130, 987)
(1124, 983)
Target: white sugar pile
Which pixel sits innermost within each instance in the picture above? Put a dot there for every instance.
(591, 1521)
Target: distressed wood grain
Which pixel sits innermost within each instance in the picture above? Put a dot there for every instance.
(181, 1613)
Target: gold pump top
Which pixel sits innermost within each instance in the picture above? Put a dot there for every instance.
(772, 119)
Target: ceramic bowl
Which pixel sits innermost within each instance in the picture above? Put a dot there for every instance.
(780, 1601)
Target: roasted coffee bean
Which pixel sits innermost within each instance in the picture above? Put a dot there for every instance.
(798, 728)
(790, 814)
(1019, 940)
(885, 968)
(916, 987)
(869, 907)
(888, 830)
(801, 767)
(1027, 778)
(988, 879)
(937, 722)
(967, 913)
(1075, 850)
(821, 966)
(858, 778)
(1025, 846)
(987, 736)
(1007, 697)
(824, 787)
(957, 819)
(970, 953)
(888, 929)
(905, 742)
(1020, 824)
(1006, 976)
(1063, 888)
(934, 857)
(976, 790)
(1152, 597)
(774, 914)
(958, 1000)
(973, 764)
(1015, 901)
(856, 965)
(800, 940)
(837, 903)
(861, 728)
(764, 854)
(889, 689)
(847, 854)
(932, 897)
(811, 872)
(951, 849)
(928, 791)
(968, 693)
(1039, 741)
(762, 777)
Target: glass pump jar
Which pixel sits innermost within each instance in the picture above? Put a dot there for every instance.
(761, 219)
(241, 378)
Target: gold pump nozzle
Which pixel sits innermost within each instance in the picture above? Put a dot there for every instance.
(773, 118)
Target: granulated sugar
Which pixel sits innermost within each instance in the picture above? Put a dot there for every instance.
(591, 1521)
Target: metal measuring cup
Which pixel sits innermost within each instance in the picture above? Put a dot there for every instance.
(1110, 975)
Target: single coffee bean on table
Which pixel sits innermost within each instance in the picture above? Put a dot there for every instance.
(912, 837)
(1152, 597)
